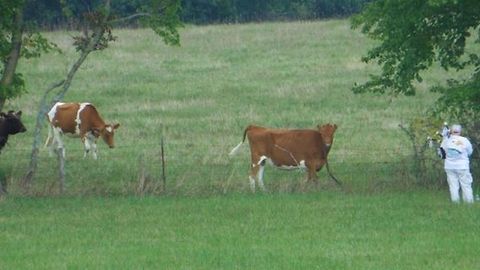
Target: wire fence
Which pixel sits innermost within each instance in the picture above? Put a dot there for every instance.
(191, 169)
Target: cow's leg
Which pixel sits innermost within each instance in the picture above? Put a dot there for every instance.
(57, 141)
(253, 174)
(312, 173)
(258, 164)
(93, 144)
(94, 150)
(252, 183)
(86, 146)
(89, 145)
(260, 176)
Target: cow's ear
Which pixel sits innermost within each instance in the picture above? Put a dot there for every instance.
(116, 126)
(19, 113)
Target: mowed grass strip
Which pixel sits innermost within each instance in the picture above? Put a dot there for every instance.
(420, 230)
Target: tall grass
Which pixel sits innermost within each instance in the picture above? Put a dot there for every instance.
(200, 96)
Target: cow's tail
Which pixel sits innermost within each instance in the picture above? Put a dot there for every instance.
(49, 139)
(235, 149)
(331, 175)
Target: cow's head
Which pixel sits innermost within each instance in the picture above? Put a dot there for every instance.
(327, 132)
(107, 134)
(12, 123)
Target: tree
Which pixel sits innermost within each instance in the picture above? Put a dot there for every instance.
(17, 39)
(97, 20)
(412, 36)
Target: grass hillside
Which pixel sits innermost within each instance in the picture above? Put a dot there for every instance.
(200, 97)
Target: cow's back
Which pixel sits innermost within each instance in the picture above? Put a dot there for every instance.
(292, 146)
(63, 116)
(90, 118)
(259, 139)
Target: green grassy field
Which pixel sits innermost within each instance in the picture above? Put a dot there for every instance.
(418, 230)
(199, 98)
(202, 95)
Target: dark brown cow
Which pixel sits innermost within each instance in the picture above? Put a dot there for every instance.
(10, 124)
(79, 120)
(287, 149)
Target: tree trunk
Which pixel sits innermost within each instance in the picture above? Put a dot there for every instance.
(44, 105)
(12, 61)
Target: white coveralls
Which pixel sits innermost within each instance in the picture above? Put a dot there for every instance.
(457, 166)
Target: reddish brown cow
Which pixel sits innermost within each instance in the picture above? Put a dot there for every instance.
(287, 149)
(10, 124)
(79, 120)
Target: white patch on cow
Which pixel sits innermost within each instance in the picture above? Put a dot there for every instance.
(77, 120)
(262, 158)
(109, 129)
(301, 165)
(53, 111)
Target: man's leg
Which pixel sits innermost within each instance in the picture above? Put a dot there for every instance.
(465, 179)
(453, 185)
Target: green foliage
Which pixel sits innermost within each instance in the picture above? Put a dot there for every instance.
(97, 23)
(33, 44)
(423, 133)
(58, 13)
(15, 89)
(91, 16)
(423, 127)
(412, 36)
(164, 19)
(209, 11)
(162, 16)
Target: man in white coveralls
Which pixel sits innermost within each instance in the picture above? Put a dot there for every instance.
(457, 165)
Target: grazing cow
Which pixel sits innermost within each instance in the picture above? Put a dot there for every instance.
(287, 149)
(10, 124)
(78, 120)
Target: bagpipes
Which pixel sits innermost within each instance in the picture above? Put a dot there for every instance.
(443, 134)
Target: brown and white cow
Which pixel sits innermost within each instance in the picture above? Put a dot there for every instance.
(10, 124)
(287, 149)
(78, 120)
